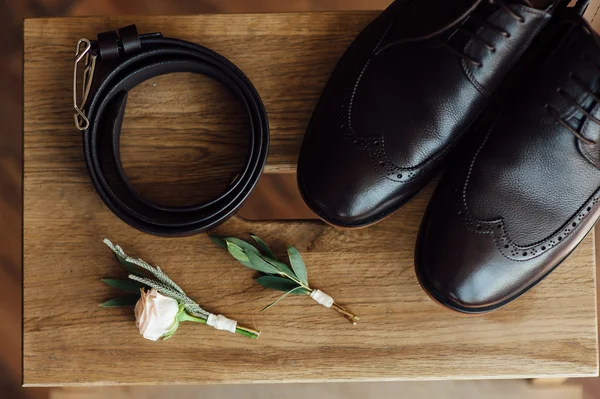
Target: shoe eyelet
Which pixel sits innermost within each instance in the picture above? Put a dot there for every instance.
(505, 245)
(399, 175)
(543, 248)
(524, 253)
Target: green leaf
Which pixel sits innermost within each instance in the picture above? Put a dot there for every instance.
(237, 252)
(242, 244)
(249, 256)
(281, 297)
(220, 241)
(258, 263)
(124, 285)
(271, 258)
(239, 255)
(280, 284)
(298, 264)
(282, 267)
(121, 301)
(266, 250)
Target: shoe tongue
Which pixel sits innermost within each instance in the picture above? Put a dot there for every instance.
(420, 19)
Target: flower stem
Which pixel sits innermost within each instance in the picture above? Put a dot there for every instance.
(245, 331)
(351, 317)
(184, 316)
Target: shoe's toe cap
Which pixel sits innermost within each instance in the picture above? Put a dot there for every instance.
(462, 267)
(343, 184)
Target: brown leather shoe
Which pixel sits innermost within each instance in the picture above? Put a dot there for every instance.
(524, 195)
(404, 92)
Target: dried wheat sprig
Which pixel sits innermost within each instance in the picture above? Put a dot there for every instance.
(157, 272)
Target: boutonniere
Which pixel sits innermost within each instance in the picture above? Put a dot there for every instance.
(160, 304)
(277, 275)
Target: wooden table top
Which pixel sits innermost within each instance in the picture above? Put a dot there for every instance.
(183, 139)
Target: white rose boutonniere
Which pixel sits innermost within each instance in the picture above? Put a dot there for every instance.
(160, 304)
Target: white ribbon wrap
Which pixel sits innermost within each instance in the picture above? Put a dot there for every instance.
(322, 298)
(221, 322)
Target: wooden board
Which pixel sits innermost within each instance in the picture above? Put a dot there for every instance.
(174, 136)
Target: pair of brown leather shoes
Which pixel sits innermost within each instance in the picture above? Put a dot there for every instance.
(518, 86)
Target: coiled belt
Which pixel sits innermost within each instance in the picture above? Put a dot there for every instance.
(129, 59)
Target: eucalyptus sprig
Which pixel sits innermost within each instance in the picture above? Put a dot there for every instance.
(145, 277)
(275, 274)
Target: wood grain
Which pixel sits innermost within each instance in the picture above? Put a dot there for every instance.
(69, 340)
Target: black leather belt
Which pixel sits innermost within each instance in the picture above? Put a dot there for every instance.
(128, 59)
